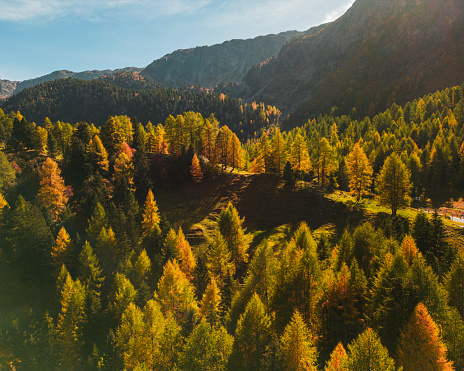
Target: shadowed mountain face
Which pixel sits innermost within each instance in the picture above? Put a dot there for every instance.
(377, 53)
(218, 64)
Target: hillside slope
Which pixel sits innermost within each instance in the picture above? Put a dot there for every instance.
(217, 64)
(8, 88)
(377, 53)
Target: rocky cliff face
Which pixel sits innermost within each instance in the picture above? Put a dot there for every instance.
(377, 53)
(7, 88)
(212, 65)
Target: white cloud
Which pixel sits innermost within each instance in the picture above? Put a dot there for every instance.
(26, 10)
(337, 12)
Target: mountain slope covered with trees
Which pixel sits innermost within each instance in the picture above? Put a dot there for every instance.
(74, 100)
(127, 275)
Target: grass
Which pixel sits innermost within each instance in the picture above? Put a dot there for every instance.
(18, 298)
(274, 210)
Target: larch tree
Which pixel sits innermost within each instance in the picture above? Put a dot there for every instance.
(326, 162)
(207, 348)
(222, 146)
(151, 217)
(175, 293)
(219, 260)
(338, 358)
(360, 172)
(264, 154)
(230, 227)
(3, 204)
(409, 248)
(393, 184)
(129, 338)
(420, 345)
(159, 144)
(195, 170)
(299, 156)
(63, 250)
(70, 322)
(7, 173)
(252, 336)
(171, 343)
(97, 221)
(278, 153)
(99, 154)
(234, 154)
(185, 256)
(124, 168)
(122, 294)
(52, 192)
(296, 348)
(208, 137)
(454, 282)
(366, 353)
(153, 331)
(211, 302)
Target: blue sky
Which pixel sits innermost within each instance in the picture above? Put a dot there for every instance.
(41, 36)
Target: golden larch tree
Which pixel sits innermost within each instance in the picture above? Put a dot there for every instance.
(195, 169)
(211, 302)
(296, 348)
(100, 154)
(393, 183)
(326, 162)
(278, 153)
(420, 345)
(299, 156)
(360, 172)
(151, 217)
(185, 255)
(3, 204)
(234, 152)
(52, 192)
(337, 359)
(62, 251)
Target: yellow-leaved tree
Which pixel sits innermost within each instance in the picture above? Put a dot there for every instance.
(52, 192)
(195, 170)
(360, 172)
(421, 346)
(151, 217)
(393, 183)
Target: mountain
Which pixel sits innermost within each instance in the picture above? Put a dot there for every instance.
(205, 66)
(377, 53)
(8, 88)
(209, 66)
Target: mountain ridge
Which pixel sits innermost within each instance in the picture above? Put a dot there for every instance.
(9, 88)
(223, 63)
(370, 55)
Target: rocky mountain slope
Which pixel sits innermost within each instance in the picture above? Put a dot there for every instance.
(8, 88)
(377, 53)
(213, 65)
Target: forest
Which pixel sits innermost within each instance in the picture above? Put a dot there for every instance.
(123, 287)
(74, 100)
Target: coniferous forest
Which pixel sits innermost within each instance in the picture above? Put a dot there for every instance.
(148, 245)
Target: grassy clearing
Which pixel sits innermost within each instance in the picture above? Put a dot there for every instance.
(18, 298)
(274, 210)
